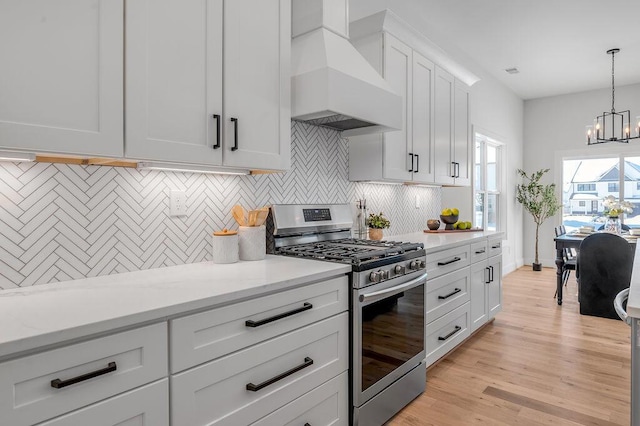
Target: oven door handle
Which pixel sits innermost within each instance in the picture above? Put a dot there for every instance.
(377, 295)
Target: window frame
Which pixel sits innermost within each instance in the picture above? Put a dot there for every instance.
(485, 137)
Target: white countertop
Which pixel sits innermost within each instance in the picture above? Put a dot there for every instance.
(633, 303)
(52, 313)
(439, 241)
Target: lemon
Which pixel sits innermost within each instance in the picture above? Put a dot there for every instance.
(455, 225)
(462, 225)
(446, 212)
(469, 225)
(455, 211)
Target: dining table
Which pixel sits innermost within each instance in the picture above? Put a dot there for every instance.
(572, 241)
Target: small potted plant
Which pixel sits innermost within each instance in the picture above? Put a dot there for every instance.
(376, 223)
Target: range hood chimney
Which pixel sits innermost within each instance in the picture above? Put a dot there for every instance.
(332, 85)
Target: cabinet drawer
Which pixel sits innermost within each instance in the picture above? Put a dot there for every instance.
(217, 393)
(478, 251)
(146, 406)
(446, 293)
(445, 261)
(325, 405)
(27, 392)
(205, 336)
(495, 247)
(446, 333)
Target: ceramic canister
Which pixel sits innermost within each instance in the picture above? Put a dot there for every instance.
(225, 246)
(253, 245)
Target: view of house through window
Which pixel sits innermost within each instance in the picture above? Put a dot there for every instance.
(487, 182)
(585, 183)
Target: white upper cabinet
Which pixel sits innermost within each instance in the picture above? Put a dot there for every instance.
(208, 82)
(61, 81)
(462, 153)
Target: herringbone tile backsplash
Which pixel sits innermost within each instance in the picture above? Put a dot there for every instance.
(61, 222)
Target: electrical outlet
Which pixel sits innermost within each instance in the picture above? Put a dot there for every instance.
(178, 203)
(417, 201)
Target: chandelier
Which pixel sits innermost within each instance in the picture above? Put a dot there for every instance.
(612, 126)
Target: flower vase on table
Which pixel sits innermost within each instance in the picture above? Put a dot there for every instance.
(613, 209)
(613, 225)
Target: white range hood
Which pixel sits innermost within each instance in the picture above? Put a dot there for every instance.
(332, 84)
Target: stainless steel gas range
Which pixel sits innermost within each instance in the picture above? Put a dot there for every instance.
(387, 313)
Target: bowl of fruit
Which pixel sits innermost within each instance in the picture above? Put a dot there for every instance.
(449, 217)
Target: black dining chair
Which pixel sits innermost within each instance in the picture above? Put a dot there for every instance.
(568, 257)
(603, 270)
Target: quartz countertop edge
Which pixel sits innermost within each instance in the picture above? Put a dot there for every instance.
(633, 303)
(49, 314)
(435, 242)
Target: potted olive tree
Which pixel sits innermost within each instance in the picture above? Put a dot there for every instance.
(539, 200)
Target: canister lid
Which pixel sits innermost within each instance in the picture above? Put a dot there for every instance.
(225, 232)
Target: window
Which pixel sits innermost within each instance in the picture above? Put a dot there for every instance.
(584, 187)
(487, 183)
(618, 176)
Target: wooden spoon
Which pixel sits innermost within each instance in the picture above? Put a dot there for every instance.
(253, 214)
(239, 215)
(262, 216)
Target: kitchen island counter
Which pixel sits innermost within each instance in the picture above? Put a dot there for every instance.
(50, 314)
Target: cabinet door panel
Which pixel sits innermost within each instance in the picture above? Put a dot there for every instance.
(173, 79)
(443, 166)
(422, 121)
(494, 296)
(462, 140)
(61, 76)
(257, 46)
(478, 284)
(397, 146)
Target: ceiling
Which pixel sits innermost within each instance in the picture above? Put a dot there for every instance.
(557, 45)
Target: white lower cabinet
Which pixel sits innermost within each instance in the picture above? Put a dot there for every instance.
(42, 386)
(244, 386)
(447, 332)
(486, 286)
(146, 406)
(325, 405)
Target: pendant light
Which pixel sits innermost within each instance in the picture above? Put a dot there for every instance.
(613, 126)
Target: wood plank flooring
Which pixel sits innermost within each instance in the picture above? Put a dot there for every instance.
(537, 364)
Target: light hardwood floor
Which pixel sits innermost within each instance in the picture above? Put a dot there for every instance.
(537, 364)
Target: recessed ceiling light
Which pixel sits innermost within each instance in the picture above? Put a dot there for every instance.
(513, 70)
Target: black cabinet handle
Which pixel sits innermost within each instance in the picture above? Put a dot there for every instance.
(455, 330)
(480, 251)
(307, 424)
(491, 274)
(488, 279)
(456, 291)
(411, 169)
(58, 384)
(448, 262)
(453, 173)
(235, 134)
(305, 307)
(217, 118)
(496, 246)
(254, 388)
(417, 163)
(457, 167)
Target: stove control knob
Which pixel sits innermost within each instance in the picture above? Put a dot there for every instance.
(386, 275)
(414, 265)
(399, 269)
(375, 276)
(423, 264)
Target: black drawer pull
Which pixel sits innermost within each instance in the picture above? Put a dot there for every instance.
(57, 383)
(411, 169)
(254, 388)
(417, 170)
(217, 118)
(458, 328)
(448, 262)
(480, 251)
(235, 134)
(453, 173)
(251, 323)
(490, 273)
(307, 424)
(456, 291)
(496, 246)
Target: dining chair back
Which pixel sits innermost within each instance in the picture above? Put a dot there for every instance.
(603, 270)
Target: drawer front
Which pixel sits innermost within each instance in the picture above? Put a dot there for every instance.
(495, 247)
(479, 251)
(27, 392)
(146, 406)
(445, 261)
(446, 333)
(209, 335)
(325, 405)
(217, 393)
(446, 293)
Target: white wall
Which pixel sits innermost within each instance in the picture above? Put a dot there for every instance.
(555, 128)
(494, 108)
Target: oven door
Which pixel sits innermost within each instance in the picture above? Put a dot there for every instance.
(388, 333)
